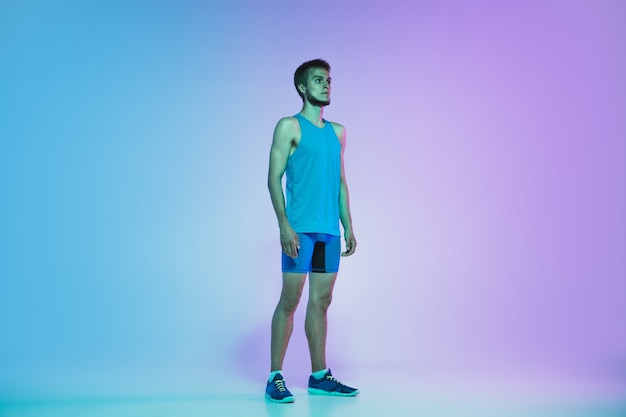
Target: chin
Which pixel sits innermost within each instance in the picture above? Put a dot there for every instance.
(320, 103)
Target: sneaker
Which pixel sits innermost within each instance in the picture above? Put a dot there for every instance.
(328, 385)
(277, 391)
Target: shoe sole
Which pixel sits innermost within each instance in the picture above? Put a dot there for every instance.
(317, 391)
(284, 400)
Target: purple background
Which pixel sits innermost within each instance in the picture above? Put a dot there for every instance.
(486, 162)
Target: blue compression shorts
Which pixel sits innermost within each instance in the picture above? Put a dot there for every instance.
(319, 252)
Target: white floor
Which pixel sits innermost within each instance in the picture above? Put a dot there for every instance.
(395, 395)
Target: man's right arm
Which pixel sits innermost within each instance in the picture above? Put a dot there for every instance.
(284, 139)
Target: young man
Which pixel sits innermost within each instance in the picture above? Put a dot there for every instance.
(310, 150)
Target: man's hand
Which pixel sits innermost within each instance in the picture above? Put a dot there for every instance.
(289, 241)
(350, 243)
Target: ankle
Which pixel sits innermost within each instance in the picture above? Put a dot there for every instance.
(320, 374)
(273, 374)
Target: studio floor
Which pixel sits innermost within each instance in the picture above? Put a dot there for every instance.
(394, 395)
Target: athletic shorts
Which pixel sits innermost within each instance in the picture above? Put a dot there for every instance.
(319, 252)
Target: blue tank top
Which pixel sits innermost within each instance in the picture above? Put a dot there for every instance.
(313, 180)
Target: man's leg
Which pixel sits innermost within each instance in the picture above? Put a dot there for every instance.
(320, 295)
(282, 321)
(321, 381)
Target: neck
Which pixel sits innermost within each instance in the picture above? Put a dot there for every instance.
(314, 114)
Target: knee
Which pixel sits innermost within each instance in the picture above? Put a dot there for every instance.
(288, 304)
(321, 301)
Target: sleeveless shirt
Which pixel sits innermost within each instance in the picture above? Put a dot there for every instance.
(313, 180)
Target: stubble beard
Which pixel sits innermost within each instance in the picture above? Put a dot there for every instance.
(317, 102)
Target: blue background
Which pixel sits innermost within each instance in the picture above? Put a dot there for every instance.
(139, 250)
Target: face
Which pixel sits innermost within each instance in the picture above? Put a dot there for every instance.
(317, 90)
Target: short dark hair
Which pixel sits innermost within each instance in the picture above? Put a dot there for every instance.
(302, 73)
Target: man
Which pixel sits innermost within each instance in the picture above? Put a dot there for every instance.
(310, 150)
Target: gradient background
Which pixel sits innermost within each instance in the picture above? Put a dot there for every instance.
(486, 161)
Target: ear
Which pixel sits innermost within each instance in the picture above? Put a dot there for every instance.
(301, 88)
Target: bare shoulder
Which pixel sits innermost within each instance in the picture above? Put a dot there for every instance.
(287, 124)
(287, 130)
(340, 131)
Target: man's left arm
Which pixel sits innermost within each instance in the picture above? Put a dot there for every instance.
(344, 198)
